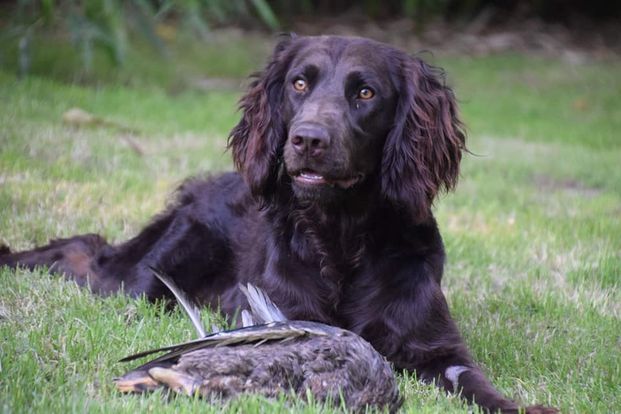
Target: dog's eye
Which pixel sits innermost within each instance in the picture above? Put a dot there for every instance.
(300, 85)
(366, 93)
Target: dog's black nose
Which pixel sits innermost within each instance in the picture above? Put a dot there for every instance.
(310, 139)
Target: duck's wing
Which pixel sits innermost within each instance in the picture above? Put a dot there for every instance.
(250, 335)
(273, 325)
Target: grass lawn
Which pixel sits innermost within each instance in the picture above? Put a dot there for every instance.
(533, 232)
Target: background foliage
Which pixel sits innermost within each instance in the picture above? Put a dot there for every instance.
(114, 25)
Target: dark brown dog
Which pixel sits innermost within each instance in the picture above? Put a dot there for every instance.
(342, 147)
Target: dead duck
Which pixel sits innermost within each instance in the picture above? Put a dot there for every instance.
(269, 356)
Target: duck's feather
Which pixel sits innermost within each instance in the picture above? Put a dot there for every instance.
(262, 307)
(185, 302)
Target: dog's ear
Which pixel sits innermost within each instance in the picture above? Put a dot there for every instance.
(257, 140)
(422, 152)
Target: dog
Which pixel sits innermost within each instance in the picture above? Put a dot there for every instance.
(342, 147)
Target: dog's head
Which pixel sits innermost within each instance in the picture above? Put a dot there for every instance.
(337, 115)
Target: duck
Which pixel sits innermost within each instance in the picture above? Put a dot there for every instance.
(268, 355)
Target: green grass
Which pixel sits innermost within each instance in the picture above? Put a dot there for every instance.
(533, 232)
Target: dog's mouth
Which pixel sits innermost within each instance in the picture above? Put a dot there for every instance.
(313, 178)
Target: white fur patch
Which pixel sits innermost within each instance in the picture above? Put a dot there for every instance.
(452, 373)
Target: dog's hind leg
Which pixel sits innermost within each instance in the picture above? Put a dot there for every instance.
(72, 257)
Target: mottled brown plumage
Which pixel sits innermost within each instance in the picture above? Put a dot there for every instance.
(329, 362)
(277, 357)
